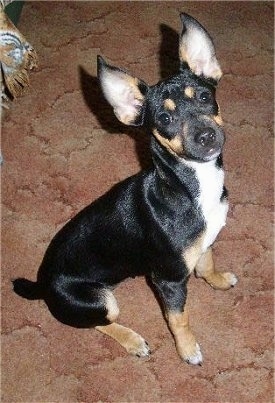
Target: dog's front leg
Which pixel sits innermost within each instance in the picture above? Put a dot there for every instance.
(205, 268)
(173, 295)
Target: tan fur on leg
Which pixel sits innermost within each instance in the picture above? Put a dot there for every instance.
(127, 338)
(205, 268)
(186, 344)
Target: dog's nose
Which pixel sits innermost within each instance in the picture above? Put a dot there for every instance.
(206, 137)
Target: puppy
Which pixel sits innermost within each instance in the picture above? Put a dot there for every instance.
(159, 223)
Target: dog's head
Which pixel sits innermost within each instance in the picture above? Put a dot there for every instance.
(181, 111)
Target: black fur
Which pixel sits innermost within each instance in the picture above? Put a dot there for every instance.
(122, 234)
(142, 225)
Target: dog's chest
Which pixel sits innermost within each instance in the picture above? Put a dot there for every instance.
(214, 210)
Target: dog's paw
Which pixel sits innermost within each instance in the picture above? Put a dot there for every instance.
(221, 281)
(194, 358)
(226, 281)
(144, 350)
(136, 345)
(231, 279)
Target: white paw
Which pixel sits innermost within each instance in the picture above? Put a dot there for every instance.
(231, 278)
(196, 357)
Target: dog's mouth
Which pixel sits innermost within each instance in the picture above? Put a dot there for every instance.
(212, 154)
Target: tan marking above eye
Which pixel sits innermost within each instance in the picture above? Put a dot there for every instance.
(189, 92)
(169, 104)
(174, 145)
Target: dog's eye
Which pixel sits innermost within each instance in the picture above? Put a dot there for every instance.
(205, 96)
(164, 118)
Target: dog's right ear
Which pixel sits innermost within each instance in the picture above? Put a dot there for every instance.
(125, 93)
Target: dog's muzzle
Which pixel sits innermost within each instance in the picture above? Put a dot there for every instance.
(205, 143)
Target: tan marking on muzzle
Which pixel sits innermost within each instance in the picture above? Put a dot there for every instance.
(214, 118)
(218, 119)
(174, 146)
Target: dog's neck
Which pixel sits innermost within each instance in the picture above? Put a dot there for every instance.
(178, 176)
(171, 173)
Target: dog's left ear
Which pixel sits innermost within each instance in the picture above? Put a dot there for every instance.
(125, 93)
(197, 50)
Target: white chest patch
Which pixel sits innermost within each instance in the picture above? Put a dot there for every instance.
(211, 180)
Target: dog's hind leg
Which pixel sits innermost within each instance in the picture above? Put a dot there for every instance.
(81, 303)
(132, 342)
(205, 269)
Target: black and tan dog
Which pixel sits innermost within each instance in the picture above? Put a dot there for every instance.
(161, 222)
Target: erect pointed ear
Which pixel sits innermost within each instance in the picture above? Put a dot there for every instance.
(197, 49)
(125, 93)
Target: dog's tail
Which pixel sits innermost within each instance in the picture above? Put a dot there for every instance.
(28, 289)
